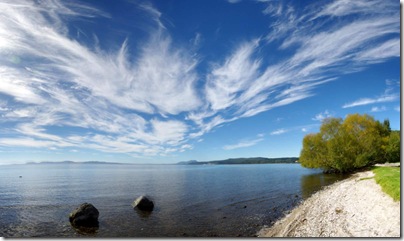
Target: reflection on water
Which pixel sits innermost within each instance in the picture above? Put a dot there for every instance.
(143, 214)
(314, 182)
(86, 231)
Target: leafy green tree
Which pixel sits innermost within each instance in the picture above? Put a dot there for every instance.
(386, 125)
(343, 146)
(314, 152)
(393, 147)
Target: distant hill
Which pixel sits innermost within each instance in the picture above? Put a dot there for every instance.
(250, 160)
(72, 162)
(191, 162)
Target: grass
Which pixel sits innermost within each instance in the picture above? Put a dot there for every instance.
(365, 178)
(389, 179)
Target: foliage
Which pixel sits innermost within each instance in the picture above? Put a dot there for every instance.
(389, 179)
(344, 146)
(393, 147)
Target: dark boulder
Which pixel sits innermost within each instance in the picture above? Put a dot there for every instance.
(143, 203)
(84, 216)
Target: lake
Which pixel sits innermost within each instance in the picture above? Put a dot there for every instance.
(190, 200)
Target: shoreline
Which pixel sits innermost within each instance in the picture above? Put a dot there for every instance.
(354, 207)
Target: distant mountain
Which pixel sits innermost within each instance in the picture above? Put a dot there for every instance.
(250, 160)
(72, 162)
(191, 162)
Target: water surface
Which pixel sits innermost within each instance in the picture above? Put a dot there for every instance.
(190, 200)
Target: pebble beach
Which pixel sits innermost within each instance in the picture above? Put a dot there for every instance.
(354, 207)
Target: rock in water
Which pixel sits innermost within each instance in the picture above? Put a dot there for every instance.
(84, 216)
(143, 203)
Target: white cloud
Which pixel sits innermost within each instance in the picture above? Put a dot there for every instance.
(319, 54)
(186, 147)
(368, 101)
(243, 144)
(112, 99)
(388, 49)
(347, 7)
(13, 84)
(171, 132)
(20, 113)
(391, 94)
(71, 84)
(303, 128)
(160, 76)
(278, 132)
(154, 13)
(165, 78)
(323, 115)
(284, 20)
(30, 142)
(378, 109)
(236, 74)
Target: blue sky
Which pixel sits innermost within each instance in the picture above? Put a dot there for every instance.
(168, 81)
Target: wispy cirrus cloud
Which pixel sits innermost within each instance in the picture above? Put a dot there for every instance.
(368, 101)
(278, 132)
(244, 143)
(319, 55)
(153, 97)
(71, 84)
(233, 1)
(111, 76)
(382, 51)
(229, 78)
(390, 94)
(346, 7)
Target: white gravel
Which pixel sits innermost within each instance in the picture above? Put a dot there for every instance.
(354, 207)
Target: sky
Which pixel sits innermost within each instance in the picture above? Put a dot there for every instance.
(176, 80)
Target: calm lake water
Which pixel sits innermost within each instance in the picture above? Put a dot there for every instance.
(193, 201)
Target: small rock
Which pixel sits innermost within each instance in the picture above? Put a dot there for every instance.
(143, 203)
(86, 215)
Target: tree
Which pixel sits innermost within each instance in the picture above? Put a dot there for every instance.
(343, 146)
(393, 147)
(313, 154)
(386, 125)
